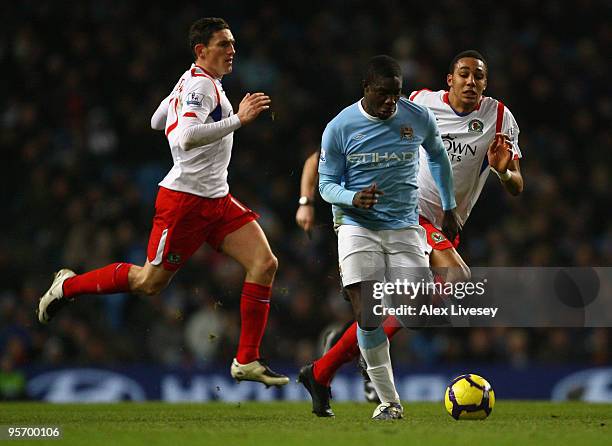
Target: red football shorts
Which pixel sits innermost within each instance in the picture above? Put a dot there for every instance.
(435, 238)
(184, 221)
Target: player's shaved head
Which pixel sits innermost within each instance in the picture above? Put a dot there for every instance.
(382, 86)
(381, 66)
(467, 53)
(202, 30)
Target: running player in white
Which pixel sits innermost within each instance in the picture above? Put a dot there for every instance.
(193, 203)
(368, 171)
(480, 134)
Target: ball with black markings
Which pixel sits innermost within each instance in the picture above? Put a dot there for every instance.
(469, 397)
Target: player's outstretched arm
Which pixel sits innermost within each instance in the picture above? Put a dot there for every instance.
(192, 127)
(305, 214)
(442, 173)
(507, 169)
(332, 192)
(439, 164)
(195, 135)
(515, 186)
(331, 169)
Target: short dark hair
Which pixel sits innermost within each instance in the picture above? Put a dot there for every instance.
(381, 66)
(202, 30)
(467, 53)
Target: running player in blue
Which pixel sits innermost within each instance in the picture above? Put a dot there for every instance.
(368, 171)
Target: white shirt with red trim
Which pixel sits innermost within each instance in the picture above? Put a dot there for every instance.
(199, 125)
(466, 138)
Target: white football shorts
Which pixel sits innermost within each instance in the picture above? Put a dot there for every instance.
(386, 255)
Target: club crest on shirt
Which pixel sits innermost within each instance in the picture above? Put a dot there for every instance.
(406, 132)
(475, 126)
(437, 237)
(195, 99)
(174, 259)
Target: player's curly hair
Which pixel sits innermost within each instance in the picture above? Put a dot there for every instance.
(467, 53)
(381, 66)
(202, 30)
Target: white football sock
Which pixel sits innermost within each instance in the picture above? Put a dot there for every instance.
(374, 347)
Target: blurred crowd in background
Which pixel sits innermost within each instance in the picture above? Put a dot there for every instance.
(81, 167)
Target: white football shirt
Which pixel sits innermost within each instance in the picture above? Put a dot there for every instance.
(198, 98)
(466, 138)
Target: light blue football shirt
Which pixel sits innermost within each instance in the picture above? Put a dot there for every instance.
(358, 149)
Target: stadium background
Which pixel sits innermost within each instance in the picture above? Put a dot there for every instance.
(81, 166)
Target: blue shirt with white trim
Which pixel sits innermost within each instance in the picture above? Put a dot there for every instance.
(358, 150)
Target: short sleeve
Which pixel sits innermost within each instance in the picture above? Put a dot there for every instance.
(511, 128)
(416, 95)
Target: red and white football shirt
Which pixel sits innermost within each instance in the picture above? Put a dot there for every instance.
(198, 98)
(466, 138)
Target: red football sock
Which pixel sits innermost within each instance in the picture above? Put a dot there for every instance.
(110, 279)
(345, 350)
(391, 326)
(254, 309)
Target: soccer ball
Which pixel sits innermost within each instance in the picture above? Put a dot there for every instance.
(469, 397)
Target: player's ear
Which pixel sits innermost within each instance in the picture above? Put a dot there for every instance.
(198, 49)
(449, 79)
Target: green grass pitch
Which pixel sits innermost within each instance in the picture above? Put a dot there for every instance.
(249, 423)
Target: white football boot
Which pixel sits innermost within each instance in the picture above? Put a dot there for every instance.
(53, 300)
(388, 411)
(257, 371)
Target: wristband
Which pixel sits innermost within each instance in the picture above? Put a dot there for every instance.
(503, 176)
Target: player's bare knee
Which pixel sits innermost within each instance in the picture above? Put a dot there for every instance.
(459, 273)
(265, 266)
(153, 288)
(149, 287)
(272, 264)
(352, 294)
(464, 273)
